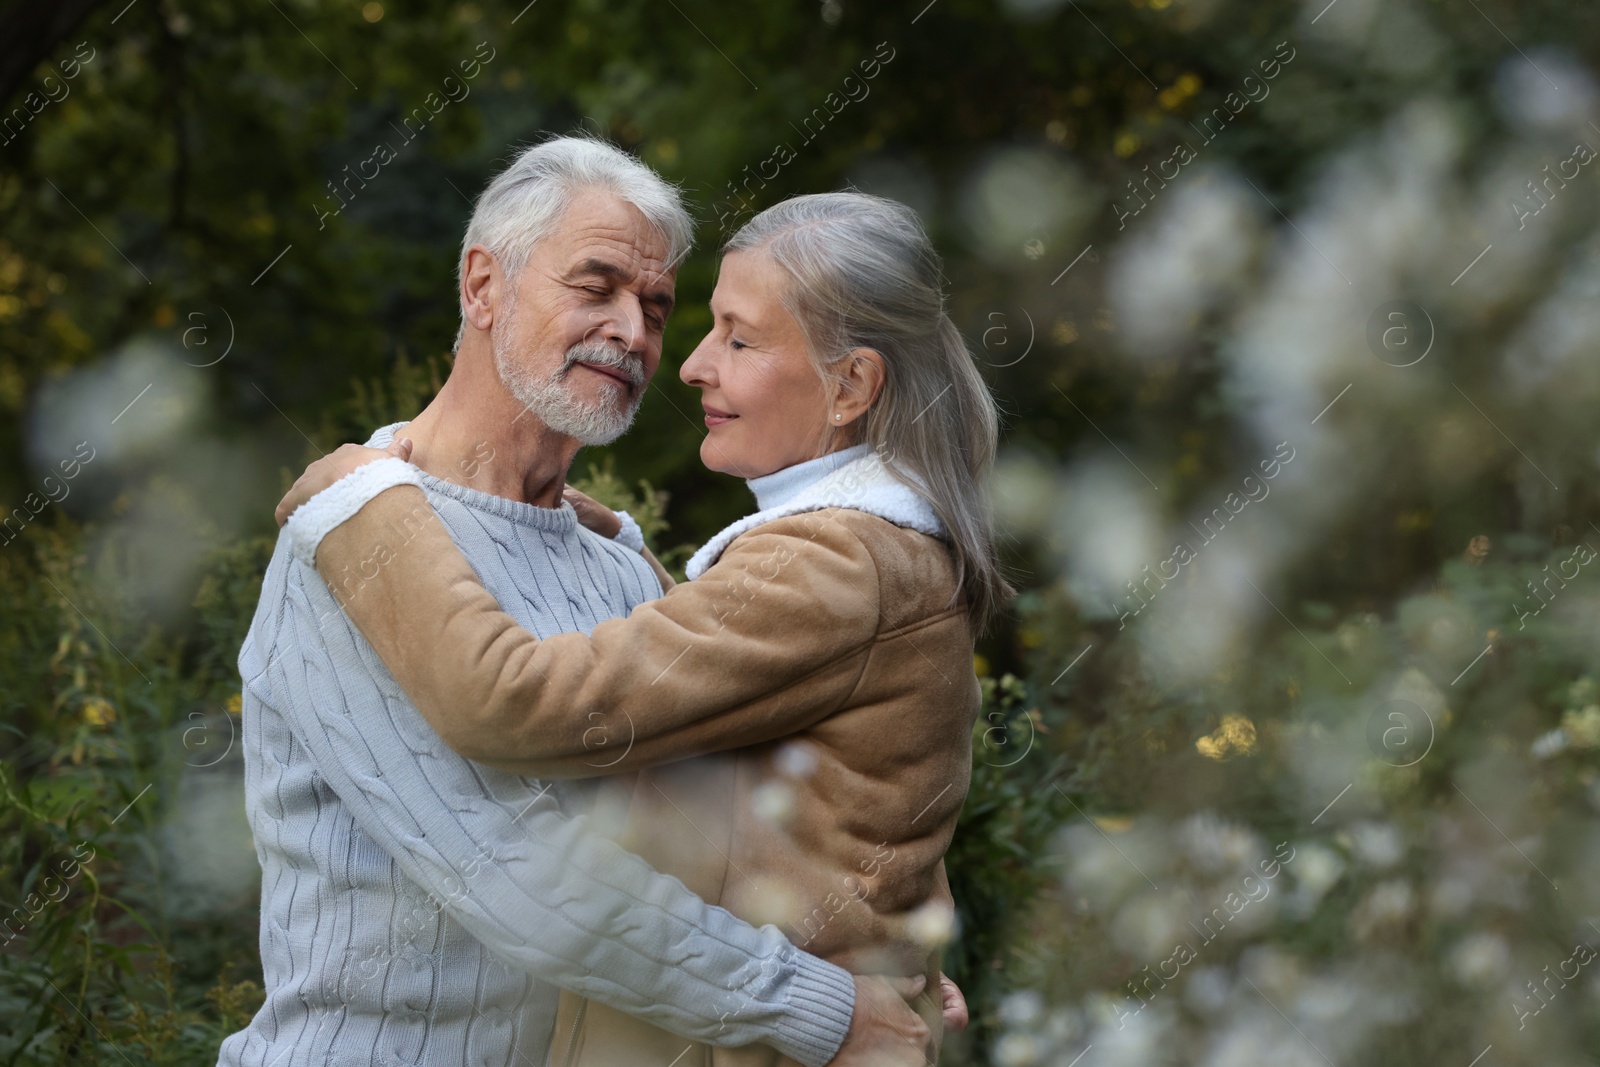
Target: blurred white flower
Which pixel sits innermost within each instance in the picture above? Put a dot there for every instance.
(1346, 21)
(1316, 868)
(1214, 844)
(1327, 999)
(1105, 531)
(1095, 869)
(1417, 687)
(1195, 625)
(1025, 493)
(211, 855)
(1261, 1037)
(1495, 281)
(1474, 868)
(1404, 44)
(1548, 88)
(1062, 1026)
(1208, 989)
(1548, 745)
(773, 802)
(1382, 212)
(1018, 1050)
(1551, 355)
(1137, 1040)
(795, 759)
(932, 925)
(1184, 262)
(140, 400)
(1150, 925)
(773, 900)
(1021, 1008)
(1272, 968)
(1020, 195)
(1481, 960)
(1377, 844)
(1451, 897)
(1388, 904)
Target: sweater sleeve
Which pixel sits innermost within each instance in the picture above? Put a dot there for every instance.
(533, 885)
(768, 641)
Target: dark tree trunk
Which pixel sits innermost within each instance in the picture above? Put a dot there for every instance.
(30, 31)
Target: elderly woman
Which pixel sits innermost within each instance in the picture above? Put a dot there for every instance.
(792, 727)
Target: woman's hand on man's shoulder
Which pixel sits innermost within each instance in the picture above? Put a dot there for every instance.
(332, 467)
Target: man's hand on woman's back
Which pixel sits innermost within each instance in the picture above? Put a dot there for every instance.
(884, 1030)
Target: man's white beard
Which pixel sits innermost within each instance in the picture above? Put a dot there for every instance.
(551, 399)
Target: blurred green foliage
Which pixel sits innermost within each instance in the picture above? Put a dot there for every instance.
(169, 228)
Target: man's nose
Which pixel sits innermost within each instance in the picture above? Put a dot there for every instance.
(621, 324)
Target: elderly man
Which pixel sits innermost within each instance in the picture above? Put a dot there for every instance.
(421, 909)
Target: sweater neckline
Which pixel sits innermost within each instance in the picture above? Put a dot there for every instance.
(560, 520)
(780, 487)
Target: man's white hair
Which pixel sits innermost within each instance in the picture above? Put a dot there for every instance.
(523, 202)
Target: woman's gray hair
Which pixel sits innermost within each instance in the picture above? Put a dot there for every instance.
(863, 274)
(525, 201)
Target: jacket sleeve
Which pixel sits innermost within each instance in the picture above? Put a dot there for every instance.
(533, 885)
(768, 641)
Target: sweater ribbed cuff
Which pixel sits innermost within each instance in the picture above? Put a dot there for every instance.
(822, 1000)
(630, 536)
(319, 516)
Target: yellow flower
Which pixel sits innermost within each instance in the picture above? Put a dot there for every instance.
(235, 704)
(1583, 727)
(98, 712)
(1236, 736)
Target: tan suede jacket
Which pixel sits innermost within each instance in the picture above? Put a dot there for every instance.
(794, 728)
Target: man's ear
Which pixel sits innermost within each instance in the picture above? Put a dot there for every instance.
(861, 375)
(482, 287)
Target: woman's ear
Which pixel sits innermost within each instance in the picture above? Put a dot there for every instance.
(861, 377)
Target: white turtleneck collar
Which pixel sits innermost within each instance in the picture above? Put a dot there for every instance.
(855, 478)
(778, 488)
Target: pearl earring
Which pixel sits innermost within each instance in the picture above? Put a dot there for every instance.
(837, 416)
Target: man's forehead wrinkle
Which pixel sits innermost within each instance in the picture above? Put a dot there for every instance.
(585, 246)
(656, 278)
(625, 273)
(596, 265)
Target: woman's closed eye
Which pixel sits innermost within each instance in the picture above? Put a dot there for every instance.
(735, 343)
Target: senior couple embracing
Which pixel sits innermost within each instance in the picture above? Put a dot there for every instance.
(518, 798)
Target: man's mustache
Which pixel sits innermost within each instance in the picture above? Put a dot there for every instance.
(604, 356)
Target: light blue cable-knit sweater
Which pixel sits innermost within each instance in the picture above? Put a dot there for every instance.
(420, 909)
